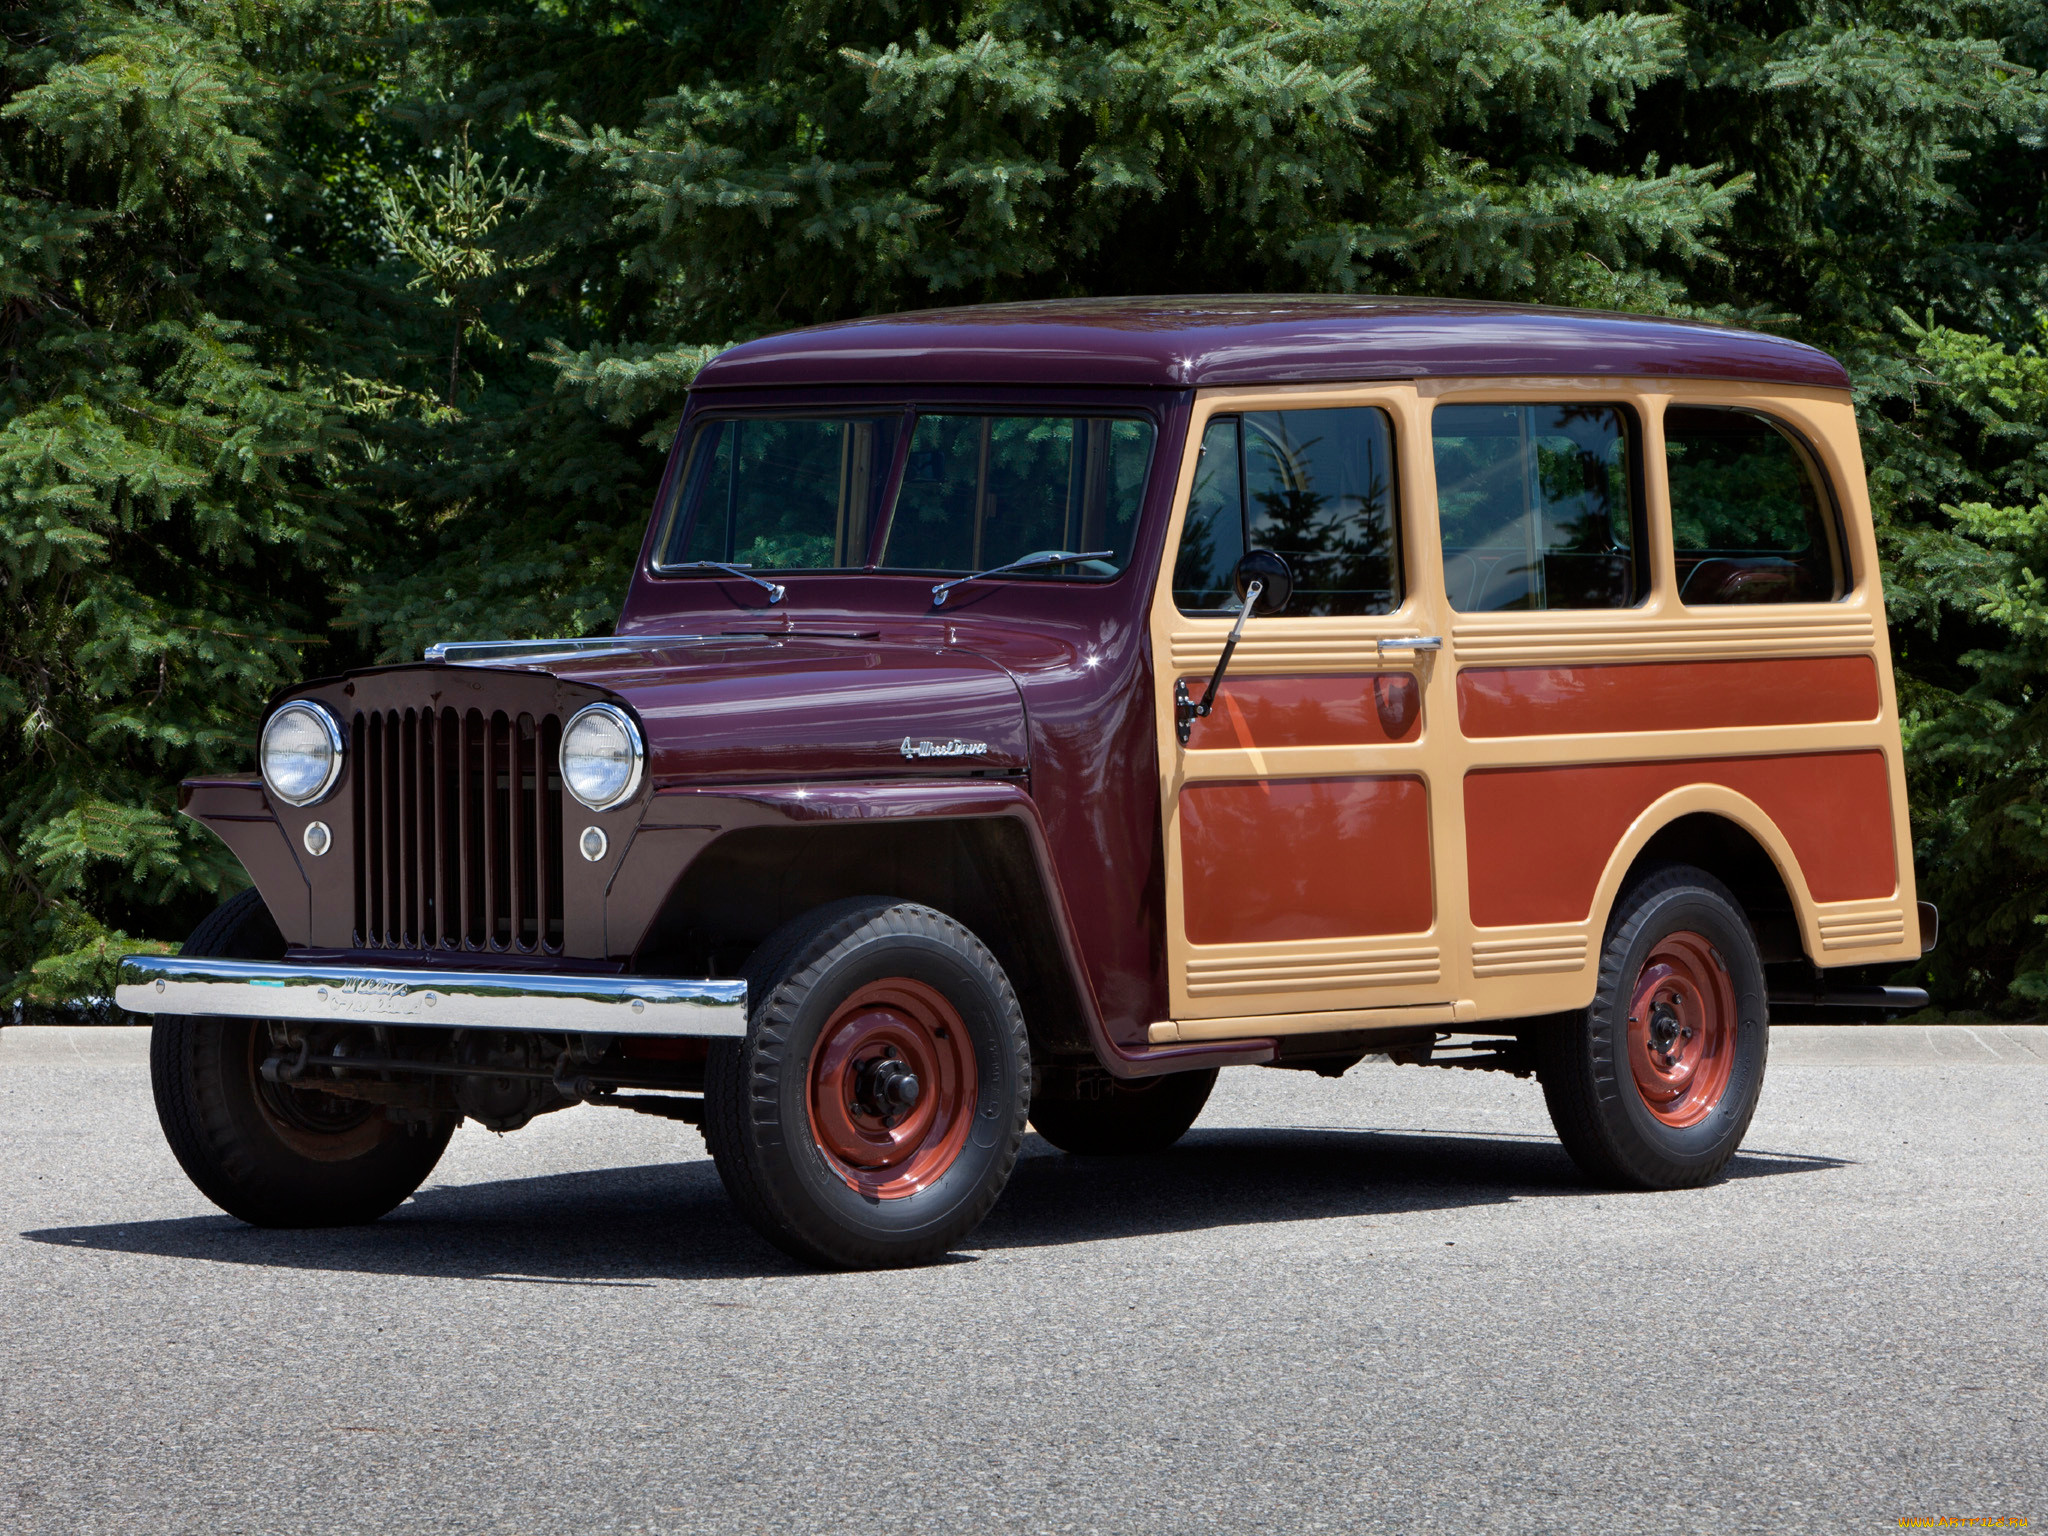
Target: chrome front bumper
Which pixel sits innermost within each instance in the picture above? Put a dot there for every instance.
(535, 1002)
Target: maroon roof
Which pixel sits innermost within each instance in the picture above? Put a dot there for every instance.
(1309, 339)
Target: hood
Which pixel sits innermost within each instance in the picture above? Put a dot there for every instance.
(781, 707)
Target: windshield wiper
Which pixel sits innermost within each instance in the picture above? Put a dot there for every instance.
(772, 588)
(1028, 563)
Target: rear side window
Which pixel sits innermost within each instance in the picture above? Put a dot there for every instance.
(1750, 520)
(1537, 506)
(1317, 488)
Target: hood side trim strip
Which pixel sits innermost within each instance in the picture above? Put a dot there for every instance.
(458, 651)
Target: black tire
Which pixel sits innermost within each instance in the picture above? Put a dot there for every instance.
(1584, 1061)
(759, 1120)
(270, 1155)
(1147, 1115)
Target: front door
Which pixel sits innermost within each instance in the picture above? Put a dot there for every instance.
(1305, 825)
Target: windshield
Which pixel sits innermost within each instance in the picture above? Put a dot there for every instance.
(807, 492)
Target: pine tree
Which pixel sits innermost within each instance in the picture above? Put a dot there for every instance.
(329, 331)
(163, 452)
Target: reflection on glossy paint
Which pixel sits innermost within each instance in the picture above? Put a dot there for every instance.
(1538, 839)
(828, 706)
(1269, 860)
(1666, 696)
(1179, 344)
(1356, 709)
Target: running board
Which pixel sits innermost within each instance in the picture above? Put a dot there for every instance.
(1820, 995)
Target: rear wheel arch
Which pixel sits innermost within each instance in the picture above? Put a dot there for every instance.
(1726, 835)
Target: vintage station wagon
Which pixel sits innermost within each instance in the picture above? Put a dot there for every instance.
(1019, 713)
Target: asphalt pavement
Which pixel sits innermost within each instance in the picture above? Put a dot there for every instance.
(1380, 1303)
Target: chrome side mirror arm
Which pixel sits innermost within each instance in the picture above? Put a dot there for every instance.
(1185, 710)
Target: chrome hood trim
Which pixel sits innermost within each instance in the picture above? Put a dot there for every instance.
(458, 652)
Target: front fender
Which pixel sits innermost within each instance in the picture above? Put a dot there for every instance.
(661, 891)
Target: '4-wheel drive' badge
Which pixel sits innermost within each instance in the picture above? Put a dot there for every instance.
(953, 746)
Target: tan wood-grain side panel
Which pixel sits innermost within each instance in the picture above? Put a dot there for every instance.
(1458, 968)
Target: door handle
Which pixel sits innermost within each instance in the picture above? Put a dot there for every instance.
(1412, 643)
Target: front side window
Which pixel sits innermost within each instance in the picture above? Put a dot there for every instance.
(977, 491)
(1317, 488)
(1750, 522)
(1537, 506)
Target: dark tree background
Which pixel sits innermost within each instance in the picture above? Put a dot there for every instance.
(326, 329)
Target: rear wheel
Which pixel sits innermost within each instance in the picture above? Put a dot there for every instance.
(1148, 1115)
(874, 1110)
(274, 1155)
(1653, 1086)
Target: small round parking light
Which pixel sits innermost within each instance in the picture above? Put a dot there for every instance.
(593, 843)
(319, 838)
(300, 753)
(602, 757)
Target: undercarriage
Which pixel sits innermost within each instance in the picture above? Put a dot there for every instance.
(500, 1079)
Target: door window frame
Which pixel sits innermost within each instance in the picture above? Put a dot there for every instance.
(1185, 645)
(1419, 565)
(1398, 531)
(1650, 398)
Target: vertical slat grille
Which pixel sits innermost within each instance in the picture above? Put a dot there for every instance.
(458, 820)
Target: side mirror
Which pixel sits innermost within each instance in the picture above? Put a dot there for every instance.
(1276, 581)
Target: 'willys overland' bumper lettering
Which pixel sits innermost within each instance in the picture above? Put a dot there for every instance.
(614, 1005)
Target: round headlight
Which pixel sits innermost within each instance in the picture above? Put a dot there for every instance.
(300, 754)
(602, 756)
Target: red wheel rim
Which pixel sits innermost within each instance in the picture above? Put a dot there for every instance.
(1681, 1029)
(880, 1038)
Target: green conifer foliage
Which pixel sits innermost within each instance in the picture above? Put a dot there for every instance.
(1030, 150)
(1977, 730)
(327, 331)
(165, 529)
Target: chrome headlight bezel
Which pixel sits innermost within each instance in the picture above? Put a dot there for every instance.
(337, 747)
(633, 739)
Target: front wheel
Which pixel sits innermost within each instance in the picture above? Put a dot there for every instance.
(874, 1110)
(1653, 1086)
(273, 1155)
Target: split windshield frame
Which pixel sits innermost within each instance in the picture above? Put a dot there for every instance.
(676, 482)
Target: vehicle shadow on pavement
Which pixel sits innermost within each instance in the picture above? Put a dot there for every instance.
(1221, 1178)
(637, 1225)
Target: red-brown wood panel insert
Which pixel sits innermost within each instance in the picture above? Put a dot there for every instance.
(1277, 859)
(1666, 696)
(1355, 709)
(1538, 839)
